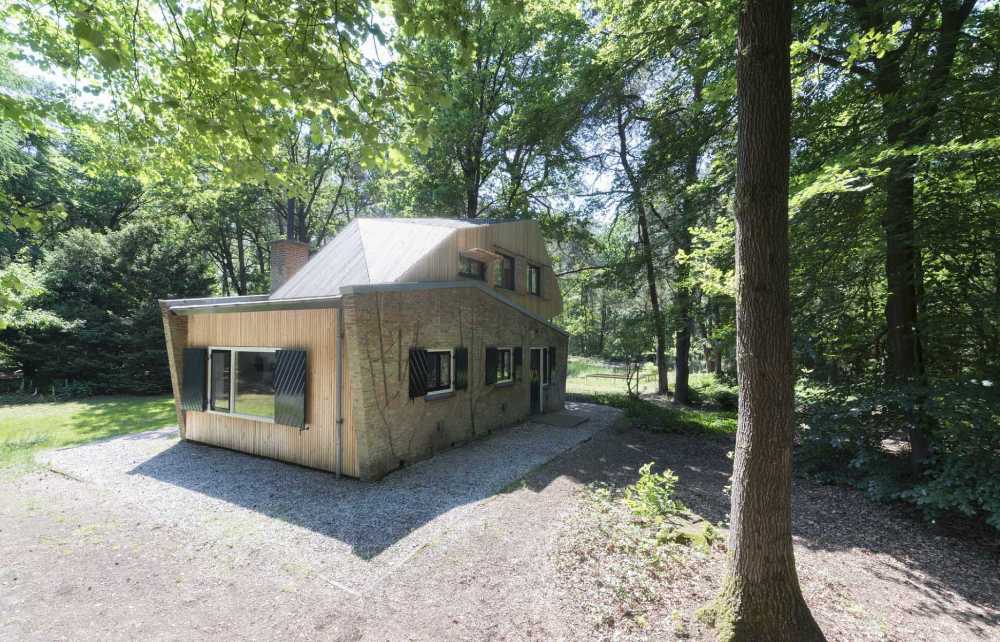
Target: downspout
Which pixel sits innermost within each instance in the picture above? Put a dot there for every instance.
(339, 412)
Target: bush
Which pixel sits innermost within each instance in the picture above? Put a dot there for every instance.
(652, 496)
(95, 316)
(857, 436)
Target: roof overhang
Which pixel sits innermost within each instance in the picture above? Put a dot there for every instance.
(185, 307)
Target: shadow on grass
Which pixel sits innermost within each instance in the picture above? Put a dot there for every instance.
(104, 417)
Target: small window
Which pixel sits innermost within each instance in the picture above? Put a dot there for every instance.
(505, 365)
(439, 371)
(504, 272)
(471, 268)
(535, 280)
(220, 367)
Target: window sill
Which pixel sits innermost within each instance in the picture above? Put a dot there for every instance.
(503, 384)
(434, 396)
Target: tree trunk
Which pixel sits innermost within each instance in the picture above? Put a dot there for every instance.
(682, 291)
(659, 326)
(761, 598)
(290, 218)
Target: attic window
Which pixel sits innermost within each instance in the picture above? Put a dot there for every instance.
(471, 268)
(535, 280)
(504, 275)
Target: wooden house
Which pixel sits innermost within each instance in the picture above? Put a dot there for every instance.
(399, 338)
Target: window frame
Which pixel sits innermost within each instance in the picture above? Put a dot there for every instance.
(233, 378)
(482, 268)
(537, 270)
(430, 393)
(510, 375)
(512, 285)
(546, 368)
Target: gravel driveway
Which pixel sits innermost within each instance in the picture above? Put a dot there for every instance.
(147, 536)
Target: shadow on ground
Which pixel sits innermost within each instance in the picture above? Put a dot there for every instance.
(367, 516)
(950, 574)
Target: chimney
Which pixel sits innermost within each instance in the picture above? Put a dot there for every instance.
(287, 258)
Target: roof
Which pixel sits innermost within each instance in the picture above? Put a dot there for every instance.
(369, 251)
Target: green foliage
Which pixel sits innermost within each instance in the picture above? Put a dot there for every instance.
(857, 435)
(652, 496)
(96, 319)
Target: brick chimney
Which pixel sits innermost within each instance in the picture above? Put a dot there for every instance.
(287, 258)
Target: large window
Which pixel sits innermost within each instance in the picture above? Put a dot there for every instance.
(439, 371)
(535, 280)
(504, 274)
(242, 381)
(471, 268)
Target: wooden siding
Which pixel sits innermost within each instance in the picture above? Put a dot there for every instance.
(520, 239)
(312, 330)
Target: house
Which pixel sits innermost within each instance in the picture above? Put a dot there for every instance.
(399, 338)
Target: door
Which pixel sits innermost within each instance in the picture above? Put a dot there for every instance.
(535, 379)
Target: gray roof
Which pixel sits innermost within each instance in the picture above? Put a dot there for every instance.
(369, 251)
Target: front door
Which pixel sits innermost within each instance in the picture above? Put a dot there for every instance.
(535, 379)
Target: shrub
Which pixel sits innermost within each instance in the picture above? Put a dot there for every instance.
(652, 496)
(857, 436)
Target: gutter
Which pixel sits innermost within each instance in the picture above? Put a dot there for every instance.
(259, 303)
(339, 411)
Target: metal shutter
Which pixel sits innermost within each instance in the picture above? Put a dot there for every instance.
(290, 388)
(193, 375)
(461, 368)
(491, 365)
(419, 364)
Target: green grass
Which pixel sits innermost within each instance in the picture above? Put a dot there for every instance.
(28, 428)
(579, 379)
(717, 399)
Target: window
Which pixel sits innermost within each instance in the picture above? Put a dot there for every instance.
(500, 365)
(504, 274)
(439, 371)
(255, 384)
(535, 280)
(250, 392)
(220, 367)
(471, 268)
(505, 365)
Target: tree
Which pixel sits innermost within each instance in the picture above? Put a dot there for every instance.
(761, 598)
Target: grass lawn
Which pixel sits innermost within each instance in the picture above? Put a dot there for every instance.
(650, 412)
(27, 428)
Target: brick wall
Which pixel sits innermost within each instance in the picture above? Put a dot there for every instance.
(394, 430)
(287, 258)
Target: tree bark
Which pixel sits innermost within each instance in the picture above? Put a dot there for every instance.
(761, 598)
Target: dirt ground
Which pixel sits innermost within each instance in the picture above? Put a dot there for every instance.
(134, 549)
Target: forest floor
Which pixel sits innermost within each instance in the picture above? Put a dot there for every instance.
(131, 551)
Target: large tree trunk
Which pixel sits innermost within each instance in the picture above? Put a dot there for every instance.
(761, 598)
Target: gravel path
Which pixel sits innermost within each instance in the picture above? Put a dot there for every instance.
(169, 538)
